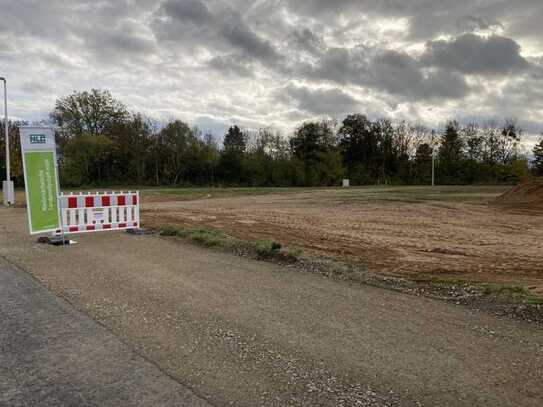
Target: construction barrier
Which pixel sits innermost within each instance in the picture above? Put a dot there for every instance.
(95, 212)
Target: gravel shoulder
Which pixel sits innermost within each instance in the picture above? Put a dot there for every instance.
(243, 332)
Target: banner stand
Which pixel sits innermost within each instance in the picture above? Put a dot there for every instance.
(60, 214)
(39, 153)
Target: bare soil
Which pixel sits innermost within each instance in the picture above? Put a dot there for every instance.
(446, 233)
(528, 196)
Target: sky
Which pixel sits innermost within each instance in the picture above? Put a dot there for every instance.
(277, 63)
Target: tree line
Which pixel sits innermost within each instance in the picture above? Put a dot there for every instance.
(101, 143)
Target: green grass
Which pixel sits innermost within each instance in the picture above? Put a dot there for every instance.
(385, 193)
(205, 193)
(420, 194)
(408, 194)
(212, 238)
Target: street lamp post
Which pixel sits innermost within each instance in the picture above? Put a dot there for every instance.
(433, 167)
(433, 157)
(7, 185)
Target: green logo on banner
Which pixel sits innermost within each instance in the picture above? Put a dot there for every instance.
(42, 190)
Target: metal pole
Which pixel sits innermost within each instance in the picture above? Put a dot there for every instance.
(433, 142)
(7, 185)
(433, 167)
(6, 129)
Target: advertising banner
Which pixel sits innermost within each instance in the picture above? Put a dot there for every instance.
(38, 149)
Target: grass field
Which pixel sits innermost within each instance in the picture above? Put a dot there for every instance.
(420, 233)
(408, 193)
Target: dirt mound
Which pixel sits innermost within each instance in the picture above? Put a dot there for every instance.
(528, 195)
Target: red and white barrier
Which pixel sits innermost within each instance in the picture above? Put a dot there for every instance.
(95, 212)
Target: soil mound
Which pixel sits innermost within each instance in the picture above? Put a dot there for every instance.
(528, 195)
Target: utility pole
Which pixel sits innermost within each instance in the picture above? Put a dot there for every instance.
(7, 185)
(433, 167)
(433, 157)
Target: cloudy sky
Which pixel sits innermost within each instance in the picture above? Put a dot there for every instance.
(279, 62)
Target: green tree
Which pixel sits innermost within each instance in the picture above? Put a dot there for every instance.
(359, 145)
(386, 152)
(131, 144)
(232, 156)
(451, 154)
(84, 160)
(92, 112)
(16, 165)
(423, 164)
(538, 159)
(178, 150)
(210, 156)
(313, 148)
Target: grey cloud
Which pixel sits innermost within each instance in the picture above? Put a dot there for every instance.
(470, 23)
(340, 65)
(191, 22)
(306, 40)
(395, 71)
(320, 101)
(342, 7)
(430, 18)
(474, 54)
(58, 19)
(213, 125)
(242, 37)
(121, 42)
(444, 84)
(336, 49)
(35, 87)
(399, 73)
(232, 65)
(188, 11)
(390, 71)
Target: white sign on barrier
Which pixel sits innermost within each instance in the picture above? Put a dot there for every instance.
(95, 212)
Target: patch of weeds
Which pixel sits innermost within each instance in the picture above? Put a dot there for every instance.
(171, 231)
(208, 237)
(212, 238)
(267, 248)
(512, 293)
(168, 231)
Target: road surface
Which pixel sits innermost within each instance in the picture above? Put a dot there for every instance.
(52, 355)
(243, 332)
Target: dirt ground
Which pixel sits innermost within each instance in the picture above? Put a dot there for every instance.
(446, 233)
(251, 333)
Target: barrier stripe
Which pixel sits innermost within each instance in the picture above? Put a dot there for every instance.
(99, 211)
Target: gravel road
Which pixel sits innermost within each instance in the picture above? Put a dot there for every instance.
(242, 332)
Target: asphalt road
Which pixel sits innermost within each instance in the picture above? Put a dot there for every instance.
(242, 332)
(53, 355)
